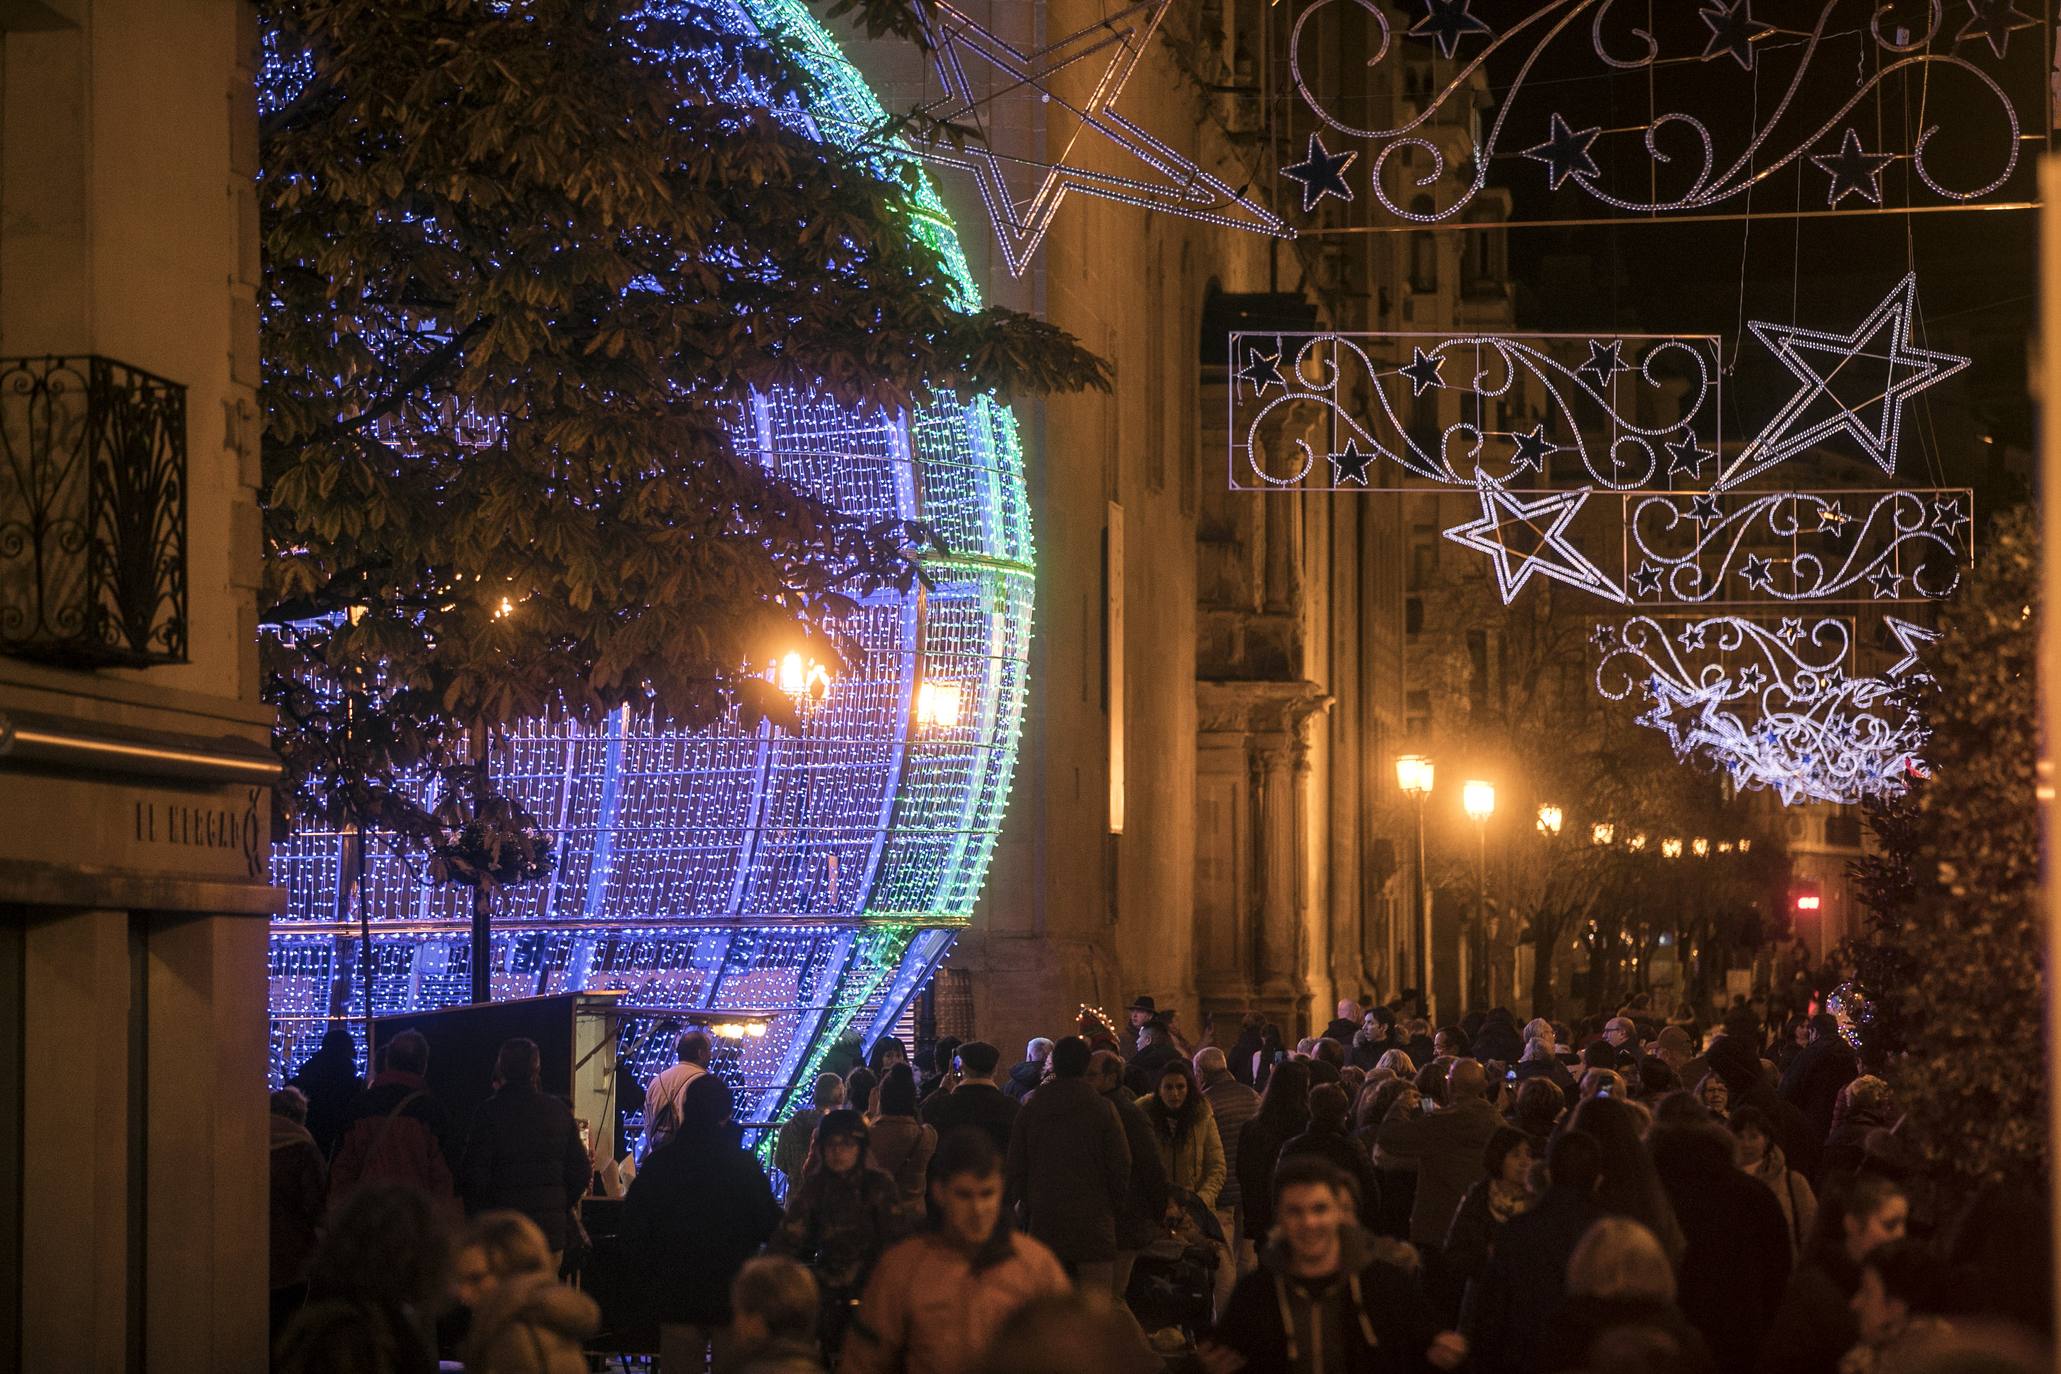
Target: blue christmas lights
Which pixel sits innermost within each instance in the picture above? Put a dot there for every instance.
(805, 882)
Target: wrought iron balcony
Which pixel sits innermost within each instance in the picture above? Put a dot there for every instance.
(92, 513)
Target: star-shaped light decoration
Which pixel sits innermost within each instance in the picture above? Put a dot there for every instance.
(1527, 537)
(1913, 640)
(1947, 517)
(1752, 678)
(1423, 371)
(1445, 22)
(1566, 152)
(1831, 517)
(1532, 449)
(1732, 31)
(1646, 579)
(1993, 21)
(1886, 582)
(1693, 635)
(1166, 180)
(1703, 507)
(1854, 171)
(1603, 636)
(1605, 361)
(1351, 465)
(1262, 370)
(1676, 712)
(1791, 629)
(1322, 173)
(1686, 456)
(1853, 384)
(1758, 573)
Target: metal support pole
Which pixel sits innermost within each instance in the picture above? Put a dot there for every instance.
(1423, 919)
(2049, 389)
(1482, 974)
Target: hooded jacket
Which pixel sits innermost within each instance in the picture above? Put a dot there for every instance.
(840, 1225)
(531, 1325)
(1367, 1318)
(1190, 1147)
(929, 1310)
(1024, 1079)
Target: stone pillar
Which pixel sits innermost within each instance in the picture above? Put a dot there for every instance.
(1277, 858)
(79, 1153)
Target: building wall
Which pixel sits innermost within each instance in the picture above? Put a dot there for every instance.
(135, 804)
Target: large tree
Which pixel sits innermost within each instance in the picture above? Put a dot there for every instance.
(1952, 965)
(524, 263)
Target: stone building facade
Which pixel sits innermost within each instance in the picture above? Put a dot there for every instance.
(1204, 808)
(135, 773)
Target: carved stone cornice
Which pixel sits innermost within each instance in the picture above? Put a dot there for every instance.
(1257, 707)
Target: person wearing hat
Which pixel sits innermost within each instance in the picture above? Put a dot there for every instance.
(841, 1216)
(1142, 1010)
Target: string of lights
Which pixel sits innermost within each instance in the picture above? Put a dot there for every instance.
(794, 886)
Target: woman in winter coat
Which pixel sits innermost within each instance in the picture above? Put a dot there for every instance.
(1284, 1112)
(841, 1217)
(1761, 1157)
(901, 1145)
(1503, 1192)
(524, 1321)
(1185, 1130)
(1816, 1323)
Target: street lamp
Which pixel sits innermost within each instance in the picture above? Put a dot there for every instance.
(1478, 800)
(1413, 776)
(1602, 833)
(1671, 848)
(1700, 846)
(1550, 820)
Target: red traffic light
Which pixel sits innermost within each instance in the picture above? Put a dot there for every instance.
(1807, 898)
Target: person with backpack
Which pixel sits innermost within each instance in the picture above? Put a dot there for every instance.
(394, 1131)
(694, 1049)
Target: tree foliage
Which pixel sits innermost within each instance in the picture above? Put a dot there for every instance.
(524, 265)
(1533, 721)
(1952, 962)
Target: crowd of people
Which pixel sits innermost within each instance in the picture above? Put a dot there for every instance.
(1635, 1193)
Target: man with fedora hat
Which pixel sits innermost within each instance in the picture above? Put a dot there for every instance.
(1142, 1010)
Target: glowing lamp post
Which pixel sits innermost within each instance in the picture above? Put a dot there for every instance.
(1413, 773)
(1478, 800)
(1550, 821)
(1602, 833)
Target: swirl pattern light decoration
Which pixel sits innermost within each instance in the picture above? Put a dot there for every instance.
(1587, 91)
(1779, 708)
(1597, 462)
(806, 882)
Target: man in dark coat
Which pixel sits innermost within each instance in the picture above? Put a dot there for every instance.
(976, 1101)
(1525, 1285)
(328, 1078)
(1326, 1138)
(523, 1152)
(1070, 1168)
(1448, 1144)
(1140, 1220)
(1817, 1074)
(1735, 1266)
(1498, 1039)
(1024, 1078)
(698, 1209)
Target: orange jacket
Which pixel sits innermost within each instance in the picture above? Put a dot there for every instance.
(927, 1312)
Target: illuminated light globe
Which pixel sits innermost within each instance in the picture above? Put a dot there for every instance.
(780, 888)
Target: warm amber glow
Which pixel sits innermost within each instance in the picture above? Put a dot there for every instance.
(1701, 847)
(1413, 774)
(1671, 848)
(937, 705)
(1478, 799)
(1602, 832)
(1550, 820)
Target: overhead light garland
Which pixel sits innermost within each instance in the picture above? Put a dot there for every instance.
(1667, 158)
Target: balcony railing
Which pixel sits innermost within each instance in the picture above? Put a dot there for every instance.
(92, 513)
